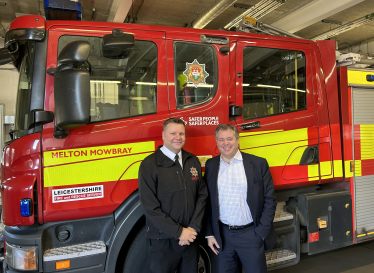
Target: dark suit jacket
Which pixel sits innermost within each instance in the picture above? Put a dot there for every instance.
(260, 198)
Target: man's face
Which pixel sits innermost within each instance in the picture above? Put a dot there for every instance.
(227, 143)
(174, 137)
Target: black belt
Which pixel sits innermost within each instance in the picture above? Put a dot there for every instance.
(237, 227)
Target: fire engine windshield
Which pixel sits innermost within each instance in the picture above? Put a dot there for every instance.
(123, 86)
(24, 90)
(274, 81)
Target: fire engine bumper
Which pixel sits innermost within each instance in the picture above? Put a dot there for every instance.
(57, 246)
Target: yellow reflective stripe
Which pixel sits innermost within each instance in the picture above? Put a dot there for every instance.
(97, 171)
(370, 233)
(326, 169)
(99, 152)
(347, 165)
(259, 133)
(367, 141)
(338, 168)
(296, 155)
(276, 146)
(313, 173)
(277, 155)
(361, 235)
(248, 140)
(358, 77)
(358, 168)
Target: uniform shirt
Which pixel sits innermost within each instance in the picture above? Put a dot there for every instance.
(171, 155)
(232, 192)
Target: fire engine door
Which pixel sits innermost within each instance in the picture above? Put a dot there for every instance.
(198, 89)
(279, 120)
(95, 168)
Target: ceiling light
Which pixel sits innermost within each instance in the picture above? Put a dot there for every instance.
(351, 25)
(259, 10)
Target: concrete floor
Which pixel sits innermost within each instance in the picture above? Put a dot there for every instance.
(353, 259)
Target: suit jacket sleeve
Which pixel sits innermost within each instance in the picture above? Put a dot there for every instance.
(270, 203)
(196, 221)
(151, 205)
(208, 212)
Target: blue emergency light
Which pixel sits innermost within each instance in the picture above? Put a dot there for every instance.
(62, 10)
(370, 78)
(26, 207)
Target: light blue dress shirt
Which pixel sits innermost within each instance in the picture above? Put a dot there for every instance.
(232, 192)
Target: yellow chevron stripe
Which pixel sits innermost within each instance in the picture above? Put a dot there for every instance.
(367, 141)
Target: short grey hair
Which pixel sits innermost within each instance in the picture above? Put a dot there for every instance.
(225, 127)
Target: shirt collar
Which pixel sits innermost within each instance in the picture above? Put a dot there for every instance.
(237, 156)
(169, 153)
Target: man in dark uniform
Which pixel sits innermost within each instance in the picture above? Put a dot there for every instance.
(173, 195)
(242, 205)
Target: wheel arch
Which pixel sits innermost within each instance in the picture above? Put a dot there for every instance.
(126, 217)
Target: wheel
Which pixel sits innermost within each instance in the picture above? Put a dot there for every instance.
(137, 256)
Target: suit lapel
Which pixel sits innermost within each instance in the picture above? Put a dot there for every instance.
(248, 167)
(215, 179)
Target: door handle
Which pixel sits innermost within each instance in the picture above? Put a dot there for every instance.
(310, 156)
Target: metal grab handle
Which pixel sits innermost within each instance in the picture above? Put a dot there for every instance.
(310, 156)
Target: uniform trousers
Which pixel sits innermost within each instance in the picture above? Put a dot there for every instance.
(167, 256)
(243, 244)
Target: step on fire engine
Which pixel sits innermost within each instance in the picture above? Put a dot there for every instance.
(91, 101)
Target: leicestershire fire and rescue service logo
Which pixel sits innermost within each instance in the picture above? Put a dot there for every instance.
(195, 73)
(194, 173)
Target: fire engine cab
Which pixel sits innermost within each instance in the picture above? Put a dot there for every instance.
(92, 98)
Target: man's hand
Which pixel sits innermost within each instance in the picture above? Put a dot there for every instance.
(212, 243)
(188, 235)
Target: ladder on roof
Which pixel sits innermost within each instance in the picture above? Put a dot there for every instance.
(252, 25)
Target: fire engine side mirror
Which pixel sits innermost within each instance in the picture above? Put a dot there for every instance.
(5, 56)
(72, 87)
(117, 44)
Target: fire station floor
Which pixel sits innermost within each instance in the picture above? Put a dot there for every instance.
(353, 259)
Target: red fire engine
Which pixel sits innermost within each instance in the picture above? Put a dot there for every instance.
(91, 101)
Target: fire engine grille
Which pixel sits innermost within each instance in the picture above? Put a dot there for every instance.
(363, 128)
(69, 252)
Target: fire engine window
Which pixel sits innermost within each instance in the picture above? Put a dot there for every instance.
(24, 90)
(195, 72)
(121, 86)
(274, 81)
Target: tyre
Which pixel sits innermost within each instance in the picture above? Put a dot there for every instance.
(137, 256)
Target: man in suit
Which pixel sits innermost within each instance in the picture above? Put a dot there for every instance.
(242, 205)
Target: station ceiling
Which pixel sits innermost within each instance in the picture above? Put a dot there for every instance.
(305, 18)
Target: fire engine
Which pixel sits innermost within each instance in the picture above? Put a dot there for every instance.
(91, 101)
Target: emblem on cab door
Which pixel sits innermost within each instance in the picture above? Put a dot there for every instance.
(195, 73)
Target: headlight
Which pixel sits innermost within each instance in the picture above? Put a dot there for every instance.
(21, 257)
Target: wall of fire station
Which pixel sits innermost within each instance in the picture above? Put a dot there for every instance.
(8, 91)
